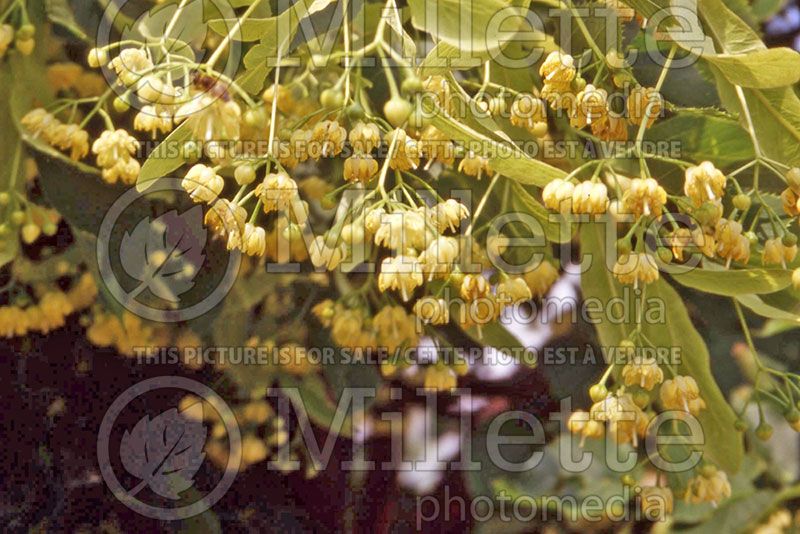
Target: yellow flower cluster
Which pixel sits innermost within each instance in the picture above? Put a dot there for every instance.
(587, 105)
(125, 333)
(51, 310)
(115, 150)
(585, 197)
(52, 131)
(710, 486)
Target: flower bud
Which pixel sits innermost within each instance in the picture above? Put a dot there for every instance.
(741, 202)
(244, 174)
(331, 98)
(598, 392)
(397, 110)
(97, 57)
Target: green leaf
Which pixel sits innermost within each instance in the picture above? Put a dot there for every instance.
(730, 283)
(775, 110)
(774, 327)
(757, 305)
(775, 114)
(232, 326)
(465, 25)
(273, 31)
(251, 29)
(59, 12)
(737, 515)
(765, 69)
(164, 158)
(723, 444)
(505, 158)
(647, 8)
(319, 406)
(738, 53)
(704, 136)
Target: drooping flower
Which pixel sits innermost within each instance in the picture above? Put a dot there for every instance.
(115, 150)
(431, 310)
(557, 195)
(130, 65)
(210, 118)
(400, 273)
(558, 68)
(644, 197)
(448, 215)
(703, 183)
(541, 278)
(277, 191)
(360, 168)
(364, 137)
(202, 183)
(731, 243)
(682, 393)
(405, 155)
(635, 268)
(642, 371)
(590, 197)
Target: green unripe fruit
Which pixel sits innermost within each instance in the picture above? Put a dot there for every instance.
(628, 480)
(331, 98)
(4, 199)
(740, 425)
(25, 32)
(328, 202)
(17, 217)
(120, 105)
(598, 392)
(789, 239)
(741, 202)
(355, 111)
(624, 246)
(411, 85)
(397, 110)
(539, 129)
(707, 470)
(615, 60)
(255, 117)
(792, 416)
(579, 84)
(664, 254)
(49, 228)
(641, 399)
(764, 431)
(293, 232)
